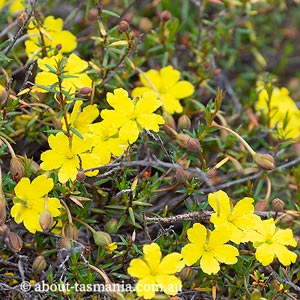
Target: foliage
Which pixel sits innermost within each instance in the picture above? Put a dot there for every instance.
(149, 149)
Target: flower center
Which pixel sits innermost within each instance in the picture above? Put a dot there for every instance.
(69, 155)
(231, 218)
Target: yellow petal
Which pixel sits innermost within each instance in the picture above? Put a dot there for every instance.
(21, 189)
(68, 170)
(171, 264)
(150, 121)
(169, 77)
(53, 206)
(152, 256)
(209, 264)
(138, 268)
(226, 254)
(52, 24)
(146, 287)
(52, 160)
(75, 64)
(169, 284)
(265, 254)
(181, 89)
(285, 237)
(147, 104)
(42, 186)
(120, 101)
(285, 256)
(197, 234)
(153, 76)
(191, 253)
(220, 203)
(171, 104)
(129, 131)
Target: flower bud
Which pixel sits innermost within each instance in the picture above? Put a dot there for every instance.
(193, 145)
(4, 230)
(145, 25)
(123, 26)
(187, 274)
(70, 231)
(185, 141)
(2, 209)
(16, 168)
(169, 125)
(65, 243)
(165, 15)
(277, 204)
(14, 241)
(39, 264)
(102, 238)
(111, 226)
(183, 175)
(265, 161)
(184, 122)
(84, 91)
(46, 220)
(80, 176)
(58, 47)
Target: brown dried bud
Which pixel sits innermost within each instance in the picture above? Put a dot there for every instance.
(169, 125)
(277, 204)
(165, 15)
(58, 47)
(84, 91)
(216, 72)
(70, 231)
(39, 264)
(185, 141)
(183, 175)
(16, 168)
(14, 241)
(123, 26)
(145, 25)
(111, 226)
(65, 243)
(80, 176)
(265, 161)
(206, 65)
(22, 18)
(46, 220)
(102, 238)
(184, 122)
(2, 209)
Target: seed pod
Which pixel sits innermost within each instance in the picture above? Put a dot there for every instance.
(39, 264)
(14, 241)
(16, 168)
(46, 220)
(265, 161)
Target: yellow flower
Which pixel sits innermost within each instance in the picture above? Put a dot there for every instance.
(132, 116)
(282, 111)
(49, 35)
(271, 242)
(70, 68)
(166, 83)
(154, 273)
(29, 202)
(209, 247)
(15, 6)
(237, 220)
(81, 119)
(64, 156)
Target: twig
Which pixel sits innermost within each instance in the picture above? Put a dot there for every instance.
(285, 281)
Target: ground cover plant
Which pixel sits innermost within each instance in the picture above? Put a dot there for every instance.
(149, 149)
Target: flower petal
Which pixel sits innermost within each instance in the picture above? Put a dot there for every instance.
(171, 264)
(226, 254)
(169, 284)
(138, 268)
(191, 253)
(209, 264)
(181, 89)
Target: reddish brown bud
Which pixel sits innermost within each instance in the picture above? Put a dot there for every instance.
(70, 231)
(169, 125)
(39, 264)
(184, 122)
(16, 168)
(165, 15)
(206, 65)
(4, 230)
(80, 176)
(216, 72)
(265, 161)
(183, 175)
(102, 238)
(277, 204)
(65, 243)
(187, 274)
(145, 25)
(84, 91)
(193, 145)
(123, 26)
(14, 241)
(46, 220)
(58, 47)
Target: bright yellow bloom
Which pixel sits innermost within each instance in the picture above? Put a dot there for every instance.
(282, 111)
(29, 202)
(237, 220)
(15, 6)
(209, 247)
(72, 67)
(81, 119)
(166, 83)
(271, 242)
(49, 35)
(154, 273)
(64, 156)
(131, 116)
